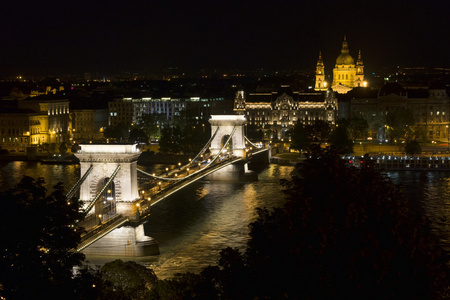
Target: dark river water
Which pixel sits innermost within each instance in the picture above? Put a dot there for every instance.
(193, 225)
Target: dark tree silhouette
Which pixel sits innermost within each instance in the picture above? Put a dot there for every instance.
(37, 236)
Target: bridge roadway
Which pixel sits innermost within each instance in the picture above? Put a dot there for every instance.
(184, 176)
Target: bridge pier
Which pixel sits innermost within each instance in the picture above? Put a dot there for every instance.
(236, 172)
(124, 241)
(115, 213)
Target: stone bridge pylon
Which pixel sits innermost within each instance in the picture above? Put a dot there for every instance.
(110, 195)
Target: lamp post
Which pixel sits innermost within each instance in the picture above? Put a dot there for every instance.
(448, 139)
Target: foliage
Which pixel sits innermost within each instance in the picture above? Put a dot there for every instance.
(151, 124)
(343, 233)
(63, 148)
(171, 139)
(119, 132)
(254, 132)
(184, 286)
(319, 131)
(358, 128)
(37, 241)
(340, 138)
(126, 280)
(187, 134)
(300, 139)
(75, 147)
(412, 147)
(399, 123)
(339, 236)
(138, 135)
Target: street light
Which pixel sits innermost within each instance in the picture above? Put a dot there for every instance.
(448, 140)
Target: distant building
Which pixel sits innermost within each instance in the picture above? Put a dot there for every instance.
(346, 74)
(56, 114)
(128, 110)
(278, 111)
(430, 108)
(89, 124)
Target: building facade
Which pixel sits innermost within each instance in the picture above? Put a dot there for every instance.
(346, 73)
(429, 107)
(278, 111)
(89, 124)
(128, 110)
(57, 116)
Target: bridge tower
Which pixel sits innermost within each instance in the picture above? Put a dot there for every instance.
(226, 126)
(110, 194)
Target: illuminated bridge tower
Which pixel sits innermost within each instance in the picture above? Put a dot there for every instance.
(111, 201)
(226, 126)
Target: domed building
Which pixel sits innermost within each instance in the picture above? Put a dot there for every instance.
(346, 74)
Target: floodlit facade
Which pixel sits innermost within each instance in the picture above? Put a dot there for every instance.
(346, 74)
(429, 107)
(278, 111)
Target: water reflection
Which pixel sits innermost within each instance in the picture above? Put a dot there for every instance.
(193, 225)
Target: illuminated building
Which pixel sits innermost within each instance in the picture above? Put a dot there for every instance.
(429, 107)
(346, 74)
(129, 110)
(88, 124)
(56, 114)
(278, 111)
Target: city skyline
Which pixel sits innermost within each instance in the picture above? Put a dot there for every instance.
(51, 37)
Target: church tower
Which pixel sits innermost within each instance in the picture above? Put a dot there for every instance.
(344, 72)
(321, 84)
(359, 79)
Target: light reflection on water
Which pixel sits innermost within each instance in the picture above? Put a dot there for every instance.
(193, 225)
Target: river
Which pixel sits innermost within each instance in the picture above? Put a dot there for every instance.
(193, 225)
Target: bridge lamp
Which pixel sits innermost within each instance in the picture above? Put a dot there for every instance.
(137, 204)
(159, 184)
(176, 174)
(149, 198)
(167, 169)
(153, 174)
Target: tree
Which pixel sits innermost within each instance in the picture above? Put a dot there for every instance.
(319, 131)
(151, 124)
(340, 139)
(119, 132)
(412, 147)
(358, 128)
(38, 237)
(398, 124)
(344, 232)
(63, 148)
(171, 139)
(138, 135)
(126, 280)
(300, 138)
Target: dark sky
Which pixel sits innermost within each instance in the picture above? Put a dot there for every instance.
(44, 37)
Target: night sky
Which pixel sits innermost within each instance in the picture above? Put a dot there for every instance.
(50, 37)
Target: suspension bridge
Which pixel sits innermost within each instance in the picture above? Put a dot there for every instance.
(117, 196)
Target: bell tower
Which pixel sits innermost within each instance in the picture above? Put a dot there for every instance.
(321, 84)
(359, 77)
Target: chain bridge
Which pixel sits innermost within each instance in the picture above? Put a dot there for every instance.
(117, 202)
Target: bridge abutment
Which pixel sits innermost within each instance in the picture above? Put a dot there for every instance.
(124, 241)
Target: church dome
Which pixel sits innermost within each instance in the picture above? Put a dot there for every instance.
(345, 58)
